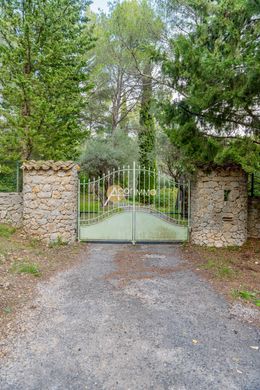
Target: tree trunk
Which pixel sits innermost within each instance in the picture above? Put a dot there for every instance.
(117, 101)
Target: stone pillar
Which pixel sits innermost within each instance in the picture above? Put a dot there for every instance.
(50, 200)
(219, 207)
(254, 217)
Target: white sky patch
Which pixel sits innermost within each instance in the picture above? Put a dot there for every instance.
(99, 5)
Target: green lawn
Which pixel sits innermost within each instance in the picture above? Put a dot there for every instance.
(91, 208)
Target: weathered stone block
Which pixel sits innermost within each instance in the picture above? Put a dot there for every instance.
(11, 208)
(54, 185)
(254, 217)
(219, 219)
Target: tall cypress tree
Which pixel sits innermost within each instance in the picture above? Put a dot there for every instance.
(44, 77)
(147, 132)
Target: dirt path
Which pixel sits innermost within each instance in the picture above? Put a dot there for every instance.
(131, 318)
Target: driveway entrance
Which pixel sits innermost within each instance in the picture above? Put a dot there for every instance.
(133, 204)
(131, 317)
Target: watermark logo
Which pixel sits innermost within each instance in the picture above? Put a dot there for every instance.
(116, 194)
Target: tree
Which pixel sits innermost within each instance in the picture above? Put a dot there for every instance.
(147, 134)
(44, 77)
(120, 57)
(103, 154)
(117, 83)
(139, 30)
(214, 73)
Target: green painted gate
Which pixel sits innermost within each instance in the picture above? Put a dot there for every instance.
(133, 204)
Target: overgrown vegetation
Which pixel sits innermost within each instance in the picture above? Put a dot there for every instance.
(26, 268)
(6, 230)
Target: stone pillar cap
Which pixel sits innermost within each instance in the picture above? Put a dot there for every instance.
(49, 164)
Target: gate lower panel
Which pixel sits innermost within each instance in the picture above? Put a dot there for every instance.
(138, 227)
(151, 228)
(118, 227)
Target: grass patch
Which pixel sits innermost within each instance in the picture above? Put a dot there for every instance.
(26, 268)
(211, 264)
(251, 296)
(234, 271)
(225, 272)
(221, 268)
(6, 230)
(233, 248)
(7, 310)
(34, 243)
(211, 249)
(57, 243)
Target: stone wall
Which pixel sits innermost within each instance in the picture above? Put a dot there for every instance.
(254, 217)
(221, 213)
(11, 208)
(219, 207)
(50, 200)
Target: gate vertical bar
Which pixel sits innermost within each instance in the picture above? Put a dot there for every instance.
(17, 177)
(133, 214)
(164, 195)
(183, 200)
(149, 184)
(189, 210)
(78, 225)
(84, 199)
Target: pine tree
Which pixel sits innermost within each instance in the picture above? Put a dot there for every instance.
(214, 71)
(44, 77)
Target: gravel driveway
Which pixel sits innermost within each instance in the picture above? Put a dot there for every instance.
(132, 318)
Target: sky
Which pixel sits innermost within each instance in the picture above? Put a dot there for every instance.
(102, 4)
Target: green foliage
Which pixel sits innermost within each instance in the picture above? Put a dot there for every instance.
(26, 268)
(6, 230)
(214, 71)
(122, 60)
(119, 56)
(167, 196)
(10, 176)
(251, 296)
(103, 154)
(44, 78)
(225, 272)
(147, 134)
(34, 242)
(254, 184)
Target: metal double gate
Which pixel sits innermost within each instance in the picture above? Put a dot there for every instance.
(133, 204)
